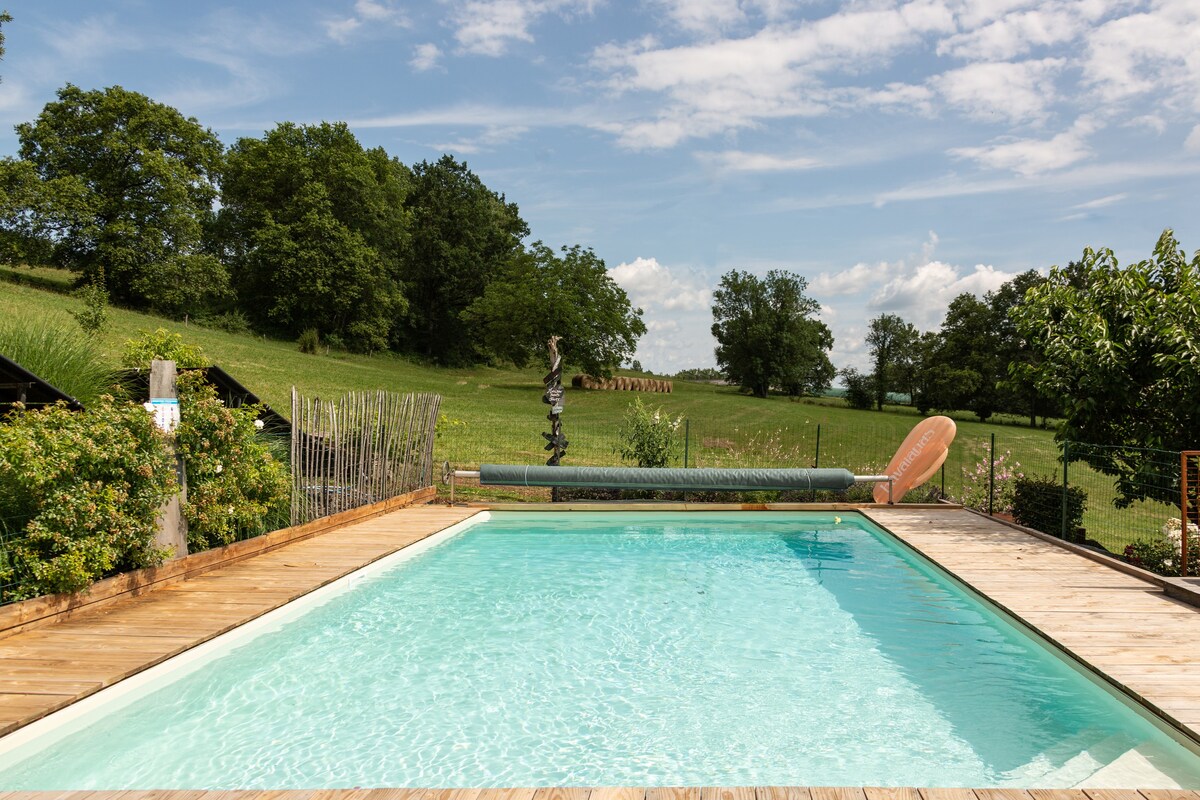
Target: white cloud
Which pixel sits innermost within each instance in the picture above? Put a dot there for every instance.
(921, 295)
(373, 12)
(1192, 142)
(340, 30)
(703, 16)
(425, 57)
(1016, 34)
(487, 27)
(1029, 157)
(1101, 202)
(491, 137)
(849, 281)
(1002, 91)
(736, 83)
(1153, 53)
(651, 285)
(741, 161)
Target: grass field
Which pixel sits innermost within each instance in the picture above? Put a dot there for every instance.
(496, 415)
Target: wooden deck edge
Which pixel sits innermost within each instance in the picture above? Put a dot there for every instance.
(1173, 587)
(34, 612)
(655, 505)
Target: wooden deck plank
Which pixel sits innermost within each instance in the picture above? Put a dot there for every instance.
(673, 793)
(837, 793)
(890, 793)
(619, 793)
(727, 793)
(783, 793)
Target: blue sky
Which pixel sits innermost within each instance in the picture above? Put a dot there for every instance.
(894, 153)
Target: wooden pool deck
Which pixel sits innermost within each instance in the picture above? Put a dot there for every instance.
(1128, 630)
(630, 793)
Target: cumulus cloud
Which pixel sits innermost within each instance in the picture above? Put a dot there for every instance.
(1151, 53)
(425, 57)
(1002, 91)
(1016, 34)
(921, 295)
(652, 285)
(732, 83)
(1030, 157)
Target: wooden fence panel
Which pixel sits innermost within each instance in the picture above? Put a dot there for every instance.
(361, 449)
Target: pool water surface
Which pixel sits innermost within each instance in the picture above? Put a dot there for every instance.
(628, 649)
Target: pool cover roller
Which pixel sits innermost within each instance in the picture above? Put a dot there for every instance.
(669, 479)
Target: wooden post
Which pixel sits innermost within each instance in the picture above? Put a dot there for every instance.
(164, 398)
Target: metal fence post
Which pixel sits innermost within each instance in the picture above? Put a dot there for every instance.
(817, 459)
(943, 480)
(687, 439)
(1066, 461)
(992, 476)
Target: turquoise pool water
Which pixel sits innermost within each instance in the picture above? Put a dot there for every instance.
(629, 649)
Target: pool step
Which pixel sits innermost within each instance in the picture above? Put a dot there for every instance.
(1132, 769)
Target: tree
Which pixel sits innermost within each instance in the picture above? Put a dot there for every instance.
(127, 186)
(1120, 349)
(1018, 394)
(540, 294)
(891, 341)
(464, 236)
(968, 345)
(315, 228)
(5, 18)
(859, 388)
(766, 335)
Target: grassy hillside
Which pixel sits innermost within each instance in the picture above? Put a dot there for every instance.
(496, 415)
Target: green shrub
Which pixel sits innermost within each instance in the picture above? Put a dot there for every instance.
(309, 341)
(164, 345)
(93, 317)
(648, 438)
(236, 486)
(1038, 504)
(81, 494)
(229, 321)
(63, 356)
(1161, 555)
(999, 480)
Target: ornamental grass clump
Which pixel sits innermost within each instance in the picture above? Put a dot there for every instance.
(79, 496)
(64, 357)
(236, 486)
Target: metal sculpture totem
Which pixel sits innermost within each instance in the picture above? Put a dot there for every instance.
(555, 441)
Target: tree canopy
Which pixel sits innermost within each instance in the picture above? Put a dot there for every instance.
(463, 237)
(1120, 350)
(315, 229)
(124, 188)
(891, 341)
(767, 336)
(541, 293)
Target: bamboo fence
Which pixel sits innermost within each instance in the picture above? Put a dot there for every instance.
(363, 448)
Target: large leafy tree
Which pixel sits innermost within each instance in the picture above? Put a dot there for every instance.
(315, 228)
(464, 236)
(541, 293)
(124, 188)
(892, 342)
(1017, 394)
(1120, 349)
(767, 336)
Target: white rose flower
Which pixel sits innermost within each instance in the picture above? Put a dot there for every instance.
(258, 423)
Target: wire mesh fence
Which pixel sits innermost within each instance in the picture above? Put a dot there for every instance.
(1124, 501)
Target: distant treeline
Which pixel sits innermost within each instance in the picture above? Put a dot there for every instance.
(300, 230)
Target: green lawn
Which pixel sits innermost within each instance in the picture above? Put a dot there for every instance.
(496, 415)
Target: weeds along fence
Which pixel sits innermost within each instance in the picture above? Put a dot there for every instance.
(1130, 519)
(360, 449)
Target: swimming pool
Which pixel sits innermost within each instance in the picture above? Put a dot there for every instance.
(623, 649)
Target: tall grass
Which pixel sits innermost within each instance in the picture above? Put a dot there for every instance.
(62, 355)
